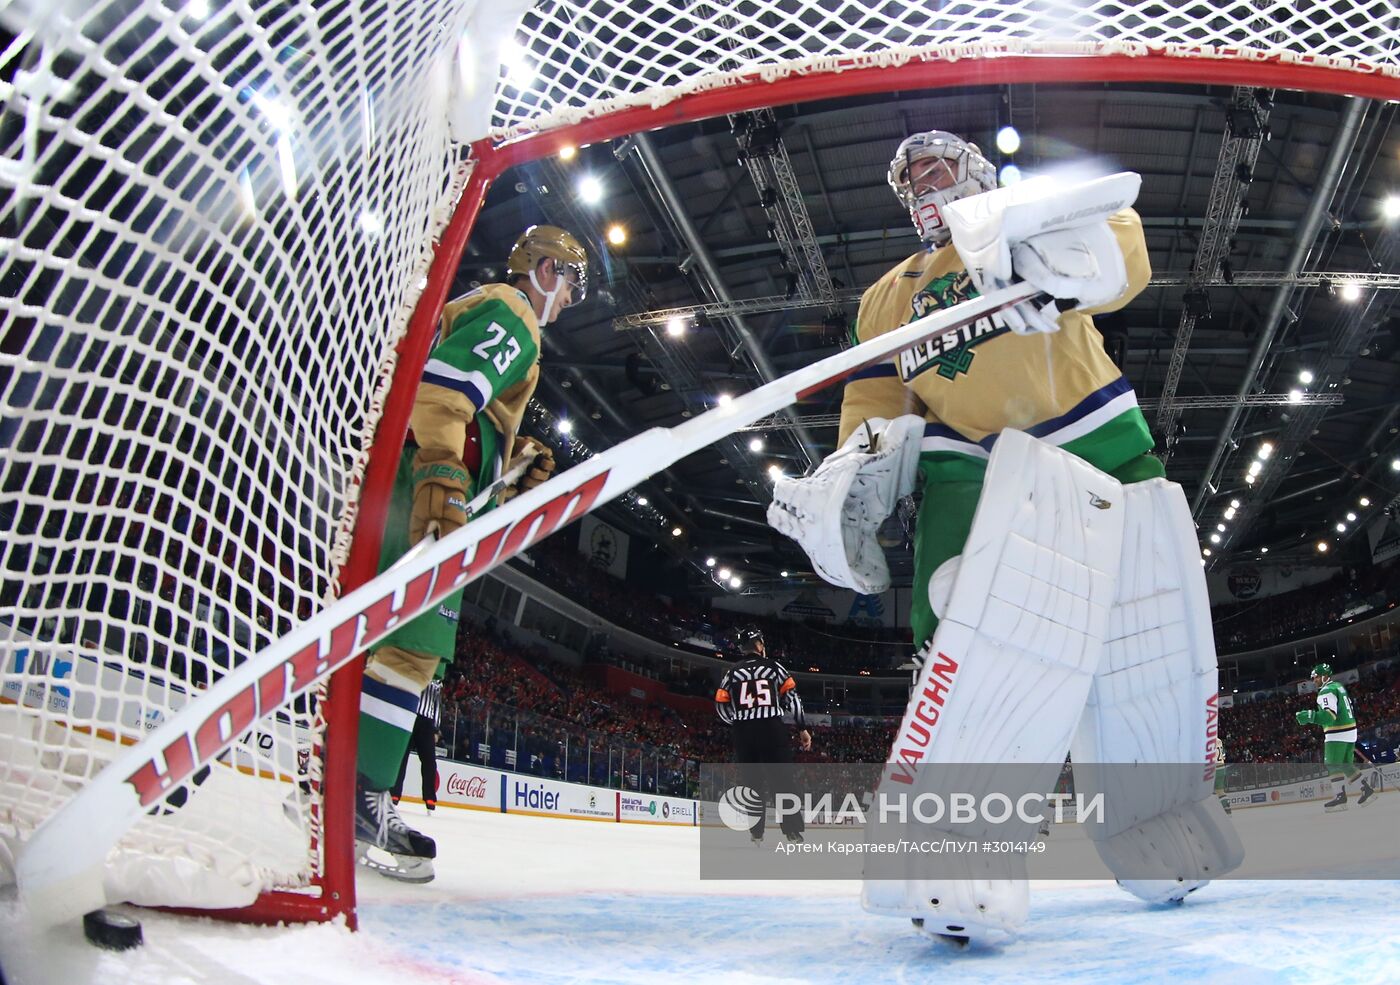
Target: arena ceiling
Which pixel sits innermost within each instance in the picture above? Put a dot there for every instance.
(1270, 327)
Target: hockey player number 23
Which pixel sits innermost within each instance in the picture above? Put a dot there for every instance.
(504, 357)
(755, 693)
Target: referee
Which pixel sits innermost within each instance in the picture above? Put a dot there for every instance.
(424, 742)
(752, 698)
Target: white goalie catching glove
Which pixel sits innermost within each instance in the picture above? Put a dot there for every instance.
(836, 511)
(1053, 237)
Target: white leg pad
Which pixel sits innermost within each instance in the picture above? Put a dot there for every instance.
(1005, 678)
(1155, 700)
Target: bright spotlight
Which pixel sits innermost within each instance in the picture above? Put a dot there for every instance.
(590, 190)
(676, 531)
(724, 574)
(783, 573)
(723, 399)
(370, 223)
(641, 501)
(1234, 504)
(1351, 518)
(1249, 480)
(1322, 547)
(1215, 538)
(198, 9)
(736, 582)
(1220, 527)
(775, 472)
(520, 71)
(1265, 450)
(1230, 513)
(1263, 550)
(1306, 377)
(565, 426)
(1008, 140)
(1255, 467)
(617, 235)
(1351, 292)
(1205, 551)
(709, 562)
(1395, 464)
(1341, 528)
(568, 152)
(1010, 174)
(1295, 396)
(1365, 501)
(675, 326)
(1390, 208)
(755, 444)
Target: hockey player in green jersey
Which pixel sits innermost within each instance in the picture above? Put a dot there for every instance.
(477, 381)
(1338, 720)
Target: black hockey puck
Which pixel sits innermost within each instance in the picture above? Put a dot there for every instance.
(112, 930)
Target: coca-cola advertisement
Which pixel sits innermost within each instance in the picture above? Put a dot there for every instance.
(472, 786)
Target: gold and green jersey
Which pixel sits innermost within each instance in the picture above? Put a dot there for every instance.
(1334, 711)
(485, 361)
(968, 387)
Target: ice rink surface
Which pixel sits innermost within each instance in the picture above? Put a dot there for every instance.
(527, 899)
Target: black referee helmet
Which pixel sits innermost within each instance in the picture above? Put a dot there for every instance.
(750, 638)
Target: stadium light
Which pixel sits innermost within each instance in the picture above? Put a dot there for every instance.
(1230, 513)
(709, 562)
(590, 190)
(1295, 396)
(617, 234)
(1205, 551)
(1265, 450)
(1365, 501)
(1220, 527)
(775, 472)
(1351, 291)
(1395, 465)
(1305, 377)
(723, 399)
(736, 582)
(1215, 538)
(724, 574)
(676, 531)
(641, 501)
(1390, 208)
(1341, 528)
(565, 426)
(568, 152)
(755, 444)
(1322, 547)
(1008, 140)
(1010, 174)
(675, 326)
(783, 573)
(1255, 467)
(197, 9)
(1263, 550)
(1351, 518)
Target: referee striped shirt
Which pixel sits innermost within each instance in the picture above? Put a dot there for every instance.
(430, 703)
(758, 688)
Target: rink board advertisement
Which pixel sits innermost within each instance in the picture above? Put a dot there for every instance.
(481, 788)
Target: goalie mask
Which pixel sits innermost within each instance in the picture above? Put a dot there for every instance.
(932, 169)
(570, 262)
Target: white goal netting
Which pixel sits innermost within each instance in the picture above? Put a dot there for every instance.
(217, 218)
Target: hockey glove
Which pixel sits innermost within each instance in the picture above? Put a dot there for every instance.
(541, 465)
(439, 494)
(1306, 717)
(836, 512)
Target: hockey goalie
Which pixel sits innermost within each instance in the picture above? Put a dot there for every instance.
(1058, 602)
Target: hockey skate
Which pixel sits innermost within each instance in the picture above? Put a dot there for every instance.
(1368, 795)
(1337, 803)
(379, 828)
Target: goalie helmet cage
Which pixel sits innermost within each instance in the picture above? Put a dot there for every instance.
(228, 236)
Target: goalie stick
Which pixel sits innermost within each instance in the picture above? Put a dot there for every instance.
(59, 869)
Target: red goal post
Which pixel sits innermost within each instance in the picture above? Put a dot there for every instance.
(206, 383)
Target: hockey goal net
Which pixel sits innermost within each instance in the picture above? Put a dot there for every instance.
(227, 231)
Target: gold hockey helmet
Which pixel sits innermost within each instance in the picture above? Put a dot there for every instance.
(550, 242)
